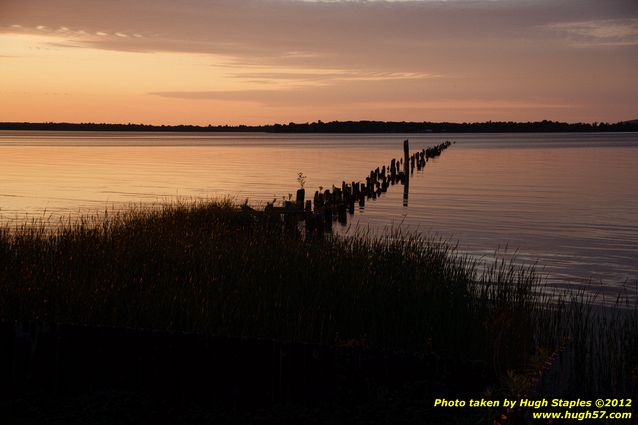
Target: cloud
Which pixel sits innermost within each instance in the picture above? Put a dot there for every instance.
(380, 35)
(606, 32)
(322, 77)
(417, 93)
(293, 52)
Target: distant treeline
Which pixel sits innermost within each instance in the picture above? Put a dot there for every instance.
(343, 127)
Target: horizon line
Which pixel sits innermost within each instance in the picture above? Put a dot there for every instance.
(319, 123)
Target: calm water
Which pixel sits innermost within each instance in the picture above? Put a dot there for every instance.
(566, 201)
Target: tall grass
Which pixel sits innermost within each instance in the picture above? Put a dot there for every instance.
(215, 268)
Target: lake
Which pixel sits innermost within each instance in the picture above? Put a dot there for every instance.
(567, 201)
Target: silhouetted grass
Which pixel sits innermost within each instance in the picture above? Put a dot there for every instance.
(219, 269)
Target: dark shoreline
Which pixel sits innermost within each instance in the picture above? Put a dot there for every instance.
(200, 311)
(348, 127)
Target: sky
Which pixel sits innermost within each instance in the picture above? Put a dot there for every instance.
(276, 61)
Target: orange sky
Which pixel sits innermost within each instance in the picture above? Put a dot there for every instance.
(266, 61)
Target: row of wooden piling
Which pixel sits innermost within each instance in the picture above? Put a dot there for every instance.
(336, 204)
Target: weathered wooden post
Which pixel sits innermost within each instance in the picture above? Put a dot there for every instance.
(341, 213)
(337, 195)
(393, 170)
(311, 223)
(290, 220)
(406, 156)
(327, 218)
(301, 194)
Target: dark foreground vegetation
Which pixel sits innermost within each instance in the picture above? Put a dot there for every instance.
(228, 273)
(544, 126)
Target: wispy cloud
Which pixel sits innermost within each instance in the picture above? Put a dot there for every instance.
(605, 32)
(323, 76)
(377, 104)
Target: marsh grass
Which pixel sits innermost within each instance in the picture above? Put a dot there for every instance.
(220, 269)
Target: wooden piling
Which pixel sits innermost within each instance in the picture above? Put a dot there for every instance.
(301, 194)
(327, 218)
(406, 156)
(335, 204)
(393, 170)
(311, 223)
(341, 212)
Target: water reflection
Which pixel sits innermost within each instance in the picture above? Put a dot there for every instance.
(406, 190)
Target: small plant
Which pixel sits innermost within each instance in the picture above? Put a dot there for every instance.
(301, 179)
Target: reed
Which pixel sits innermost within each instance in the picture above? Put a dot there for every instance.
(221, 269)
